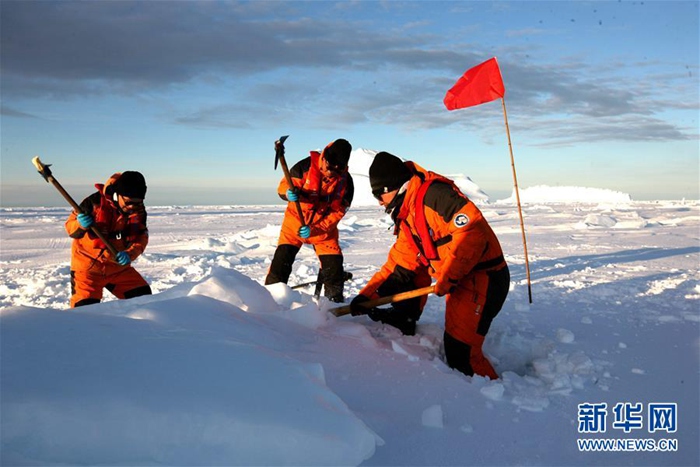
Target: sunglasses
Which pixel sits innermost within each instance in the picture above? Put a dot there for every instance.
(132, 202)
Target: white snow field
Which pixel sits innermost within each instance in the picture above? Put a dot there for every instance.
(216, 369)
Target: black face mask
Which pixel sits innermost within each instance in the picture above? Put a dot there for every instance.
(394, 206)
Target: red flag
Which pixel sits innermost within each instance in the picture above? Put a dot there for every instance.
(478, 85)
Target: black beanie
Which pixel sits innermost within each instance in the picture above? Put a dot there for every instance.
(131, 184)
(387, 173)
(338, 153)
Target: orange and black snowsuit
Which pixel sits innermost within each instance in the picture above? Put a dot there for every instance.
(92, 267)
(465, 251)
(324, 201)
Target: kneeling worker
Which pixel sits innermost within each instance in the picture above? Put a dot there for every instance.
(439, 233)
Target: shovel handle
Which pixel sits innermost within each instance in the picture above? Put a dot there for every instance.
(345, 309)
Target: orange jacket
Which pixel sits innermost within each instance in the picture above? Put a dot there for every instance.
(464, 240)
(125, 232)
(324, 200)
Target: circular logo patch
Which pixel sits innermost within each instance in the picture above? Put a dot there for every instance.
(461, 220)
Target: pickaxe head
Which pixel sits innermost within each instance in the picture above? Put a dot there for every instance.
(42, 168)
(279, 149)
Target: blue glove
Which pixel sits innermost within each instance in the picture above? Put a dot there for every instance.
(292, 195)
(85, 220)
(123, 258)
(304, 231)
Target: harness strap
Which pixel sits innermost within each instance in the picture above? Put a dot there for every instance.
(443, 241)
(492, 263)
(111, 235)
(415, 243)
(428, 246)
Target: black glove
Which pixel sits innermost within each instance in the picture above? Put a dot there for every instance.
(355, 308)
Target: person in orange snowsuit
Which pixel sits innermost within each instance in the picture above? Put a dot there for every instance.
(324, 189)
(439, 233)
(117, 210)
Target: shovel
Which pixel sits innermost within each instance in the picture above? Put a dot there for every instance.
(345, 309)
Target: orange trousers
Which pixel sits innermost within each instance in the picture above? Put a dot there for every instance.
(87, 286)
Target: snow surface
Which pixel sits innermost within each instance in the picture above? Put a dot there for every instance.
(217, 369)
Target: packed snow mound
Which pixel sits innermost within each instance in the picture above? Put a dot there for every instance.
(193, 380)
(358, 166)
(567, 194)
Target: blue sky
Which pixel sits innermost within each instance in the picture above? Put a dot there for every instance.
(194, 94)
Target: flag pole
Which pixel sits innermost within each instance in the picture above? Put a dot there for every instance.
(517, 197)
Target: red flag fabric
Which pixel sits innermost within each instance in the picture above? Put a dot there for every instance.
(478, 85)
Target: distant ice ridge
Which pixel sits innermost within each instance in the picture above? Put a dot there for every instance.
(567, 194)
(361, 159)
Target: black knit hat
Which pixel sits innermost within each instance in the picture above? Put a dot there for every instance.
(131, 184)
(338, 154)
(387, 173)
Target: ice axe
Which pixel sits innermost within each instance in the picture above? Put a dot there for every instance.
(45, 172)
(399, 297)
(279, 157)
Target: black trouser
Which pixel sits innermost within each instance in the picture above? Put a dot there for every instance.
(459, 354)
(332, 276)
(331, 270)
(281, 266)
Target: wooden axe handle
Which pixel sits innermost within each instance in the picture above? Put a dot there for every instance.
(279, 154)
(48, 176)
